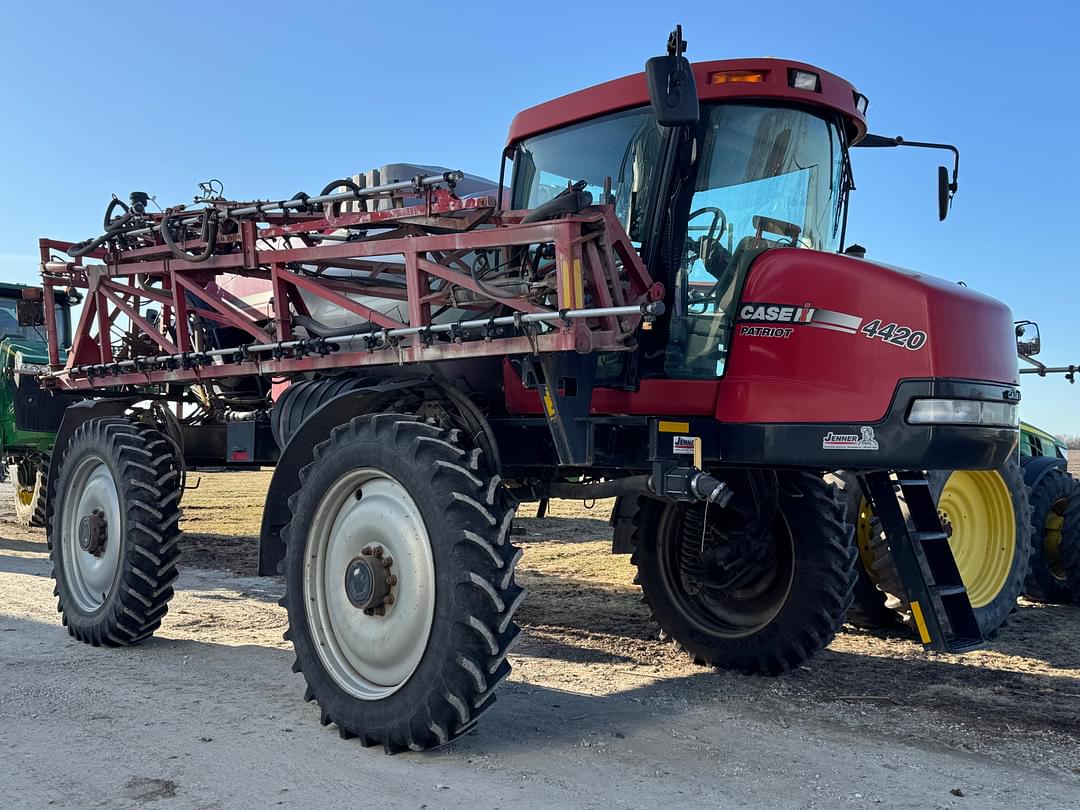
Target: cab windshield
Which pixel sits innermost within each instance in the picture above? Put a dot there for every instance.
(765, 177)
(9, 323)
(624, 147)
(760, 177)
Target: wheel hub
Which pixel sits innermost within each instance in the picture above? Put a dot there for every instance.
(93, 533)
(368, 581)
(977, 514)
(736, 584)
(946, 524)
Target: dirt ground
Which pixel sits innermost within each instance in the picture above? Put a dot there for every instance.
(598, 713)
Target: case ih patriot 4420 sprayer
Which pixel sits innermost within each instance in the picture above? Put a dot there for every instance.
(663, 313)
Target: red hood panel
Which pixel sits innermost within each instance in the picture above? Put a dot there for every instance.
(870, 327)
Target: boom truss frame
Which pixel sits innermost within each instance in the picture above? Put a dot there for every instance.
(594, 294)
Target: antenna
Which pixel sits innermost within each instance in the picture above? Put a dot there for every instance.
(676, 45)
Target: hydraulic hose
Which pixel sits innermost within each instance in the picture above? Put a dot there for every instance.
(209, 231)
(568, 201)
(111, 225)
(89, 246)
(632, 485)
(333, 184)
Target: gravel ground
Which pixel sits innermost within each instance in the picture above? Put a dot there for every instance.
(598, 712)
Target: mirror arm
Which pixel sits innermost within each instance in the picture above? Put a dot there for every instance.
(873, 141)
(947, 146)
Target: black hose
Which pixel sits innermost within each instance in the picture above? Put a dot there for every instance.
(632, 485)
(88, 246)
(568, 201)
(349, 184)
(115, 225)
(209, 230)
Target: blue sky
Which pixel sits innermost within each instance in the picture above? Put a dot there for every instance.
(273, 98)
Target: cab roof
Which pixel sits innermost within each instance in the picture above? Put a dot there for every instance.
(762, 79)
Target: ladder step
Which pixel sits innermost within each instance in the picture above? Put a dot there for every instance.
(948, 590)
(961, 644)
(908, 483)
(930, 536)
(920, 548)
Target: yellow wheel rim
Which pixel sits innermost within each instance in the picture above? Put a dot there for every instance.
(977, 511)
(25, 495)
(862, 535)
(1052, 538)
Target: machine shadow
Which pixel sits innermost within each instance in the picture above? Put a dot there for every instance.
(8, 544)
(571, 619)
(529, 714)
(14, 562)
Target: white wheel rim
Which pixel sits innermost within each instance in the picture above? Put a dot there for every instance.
(369, 656)
(90, 578)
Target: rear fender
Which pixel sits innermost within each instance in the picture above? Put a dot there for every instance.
(1035, 468)
(74, 416)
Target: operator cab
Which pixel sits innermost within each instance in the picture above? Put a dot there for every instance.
(764, 166)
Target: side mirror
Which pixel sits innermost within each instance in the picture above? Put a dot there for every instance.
(672, 90)
(942, 193)
(1028, 343)
(946, 185)
(30, 309)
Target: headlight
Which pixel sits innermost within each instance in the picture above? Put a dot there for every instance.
(32, 369)
(963, 412)
(803, 80)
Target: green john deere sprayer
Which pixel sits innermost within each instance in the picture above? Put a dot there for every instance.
(26, 434)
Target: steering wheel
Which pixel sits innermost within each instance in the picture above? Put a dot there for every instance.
(717, 260)
(718, 217)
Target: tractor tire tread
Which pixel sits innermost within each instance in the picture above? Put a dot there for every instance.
(1041, 585)
(148, 483)
(449, 692)
(820, 617)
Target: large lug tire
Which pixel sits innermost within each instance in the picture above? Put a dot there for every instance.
(409, 654)
(869, 608)
(1070, 547)
(988, 519)
(1050, 499)
(28, 479)
(114, 531)
(772, 624)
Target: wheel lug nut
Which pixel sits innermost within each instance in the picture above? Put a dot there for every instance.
(380, 611)
(378, 552)
(388, 599)
(391, 580)
(369, 611)
(366, 551)
(388, 562)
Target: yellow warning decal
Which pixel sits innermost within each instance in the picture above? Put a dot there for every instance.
(920, 622)
(674, 427)
(573, 287)
(549, 405)
(579, 285)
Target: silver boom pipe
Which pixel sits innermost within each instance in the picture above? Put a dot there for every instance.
(650, 309)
